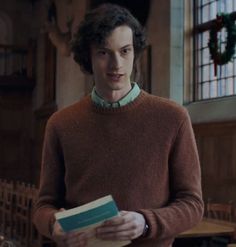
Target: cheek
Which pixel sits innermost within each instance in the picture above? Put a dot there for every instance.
(98, 66)
(102, 64)
(130, 64)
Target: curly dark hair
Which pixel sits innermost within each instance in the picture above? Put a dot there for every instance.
(96, 27)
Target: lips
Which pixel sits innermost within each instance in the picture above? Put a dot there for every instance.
(114, 76)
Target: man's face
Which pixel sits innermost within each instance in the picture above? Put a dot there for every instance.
(112, 63)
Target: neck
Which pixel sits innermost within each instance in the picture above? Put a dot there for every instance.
(114, 95)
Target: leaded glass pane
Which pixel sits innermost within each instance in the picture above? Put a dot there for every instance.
(213, 10)
(213, 81)
(213, 89)
(206, 90)
(205, 73)
(205, 54)
(205, 39)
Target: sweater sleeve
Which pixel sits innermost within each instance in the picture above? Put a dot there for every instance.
(185, 207)
(52, 187)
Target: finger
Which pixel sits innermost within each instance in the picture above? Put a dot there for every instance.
(115, 221)
(57, 231)
(125, 234)
(76, 239)
(123, 213)
(115, 228)
(121, 219)
(76, 243)
(129, 228)
(59, 236)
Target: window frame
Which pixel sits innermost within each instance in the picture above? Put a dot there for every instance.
(206, 110)
(201, 28)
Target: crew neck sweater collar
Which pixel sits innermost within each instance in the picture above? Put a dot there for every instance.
(129, 97)
(132, 105)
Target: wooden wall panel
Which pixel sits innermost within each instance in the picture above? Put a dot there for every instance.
(41, 117)
(42, 114)
(217, 150)
(15, 135)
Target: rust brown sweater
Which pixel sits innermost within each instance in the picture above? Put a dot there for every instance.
(144, 154)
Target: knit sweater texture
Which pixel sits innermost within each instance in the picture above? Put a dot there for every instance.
(144, 154)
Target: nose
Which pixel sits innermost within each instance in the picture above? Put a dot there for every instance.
(115, 61)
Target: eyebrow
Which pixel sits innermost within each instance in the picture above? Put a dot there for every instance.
(126, 46)
(106, 48)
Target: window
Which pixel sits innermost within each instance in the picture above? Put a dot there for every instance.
(208, 82)
(5, 39)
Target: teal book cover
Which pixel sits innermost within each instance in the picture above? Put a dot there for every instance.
(88, 216)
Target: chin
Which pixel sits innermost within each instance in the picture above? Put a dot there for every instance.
(118, 86)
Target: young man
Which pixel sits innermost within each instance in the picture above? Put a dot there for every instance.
(121, 141)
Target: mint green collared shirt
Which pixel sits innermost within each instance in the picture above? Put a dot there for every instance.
(132, 95)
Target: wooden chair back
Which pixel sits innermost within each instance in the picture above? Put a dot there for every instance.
(22, 213)
(220, 211)
(1, 205)
(16, 211)
(35, 238)
(6, 204)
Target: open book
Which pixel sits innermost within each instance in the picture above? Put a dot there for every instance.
(88, 216)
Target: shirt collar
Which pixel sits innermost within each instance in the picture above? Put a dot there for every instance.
(132, 94)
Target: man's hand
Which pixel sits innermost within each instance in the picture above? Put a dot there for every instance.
(129, 225)
(73, 239)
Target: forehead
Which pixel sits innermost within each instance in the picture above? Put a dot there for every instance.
(119, 37)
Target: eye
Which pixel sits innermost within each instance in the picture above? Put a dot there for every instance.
(101, 52)
(125, 51)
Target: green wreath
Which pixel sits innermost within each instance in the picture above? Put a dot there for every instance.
(221, 58)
